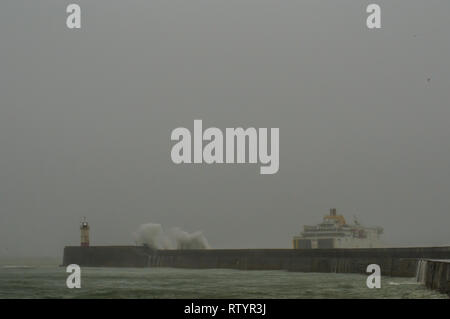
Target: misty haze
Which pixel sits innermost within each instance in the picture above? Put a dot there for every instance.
(86, 118)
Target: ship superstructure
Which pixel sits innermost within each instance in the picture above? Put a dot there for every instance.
(334, 232)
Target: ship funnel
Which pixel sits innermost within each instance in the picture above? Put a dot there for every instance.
(332, 211)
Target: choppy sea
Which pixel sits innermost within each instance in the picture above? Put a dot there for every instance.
(38, 279)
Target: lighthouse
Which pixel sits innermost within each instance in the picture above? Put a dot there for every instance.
(84, 230)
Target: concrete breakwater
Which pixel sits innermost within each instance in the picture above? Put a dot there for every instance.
(401, 262)
(435, 274)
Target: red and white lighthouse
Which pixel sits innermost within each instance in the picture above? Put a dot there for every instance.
(84, 230)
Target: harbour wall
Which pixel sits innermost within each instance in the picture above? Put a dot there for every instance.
(435, 274)
(399, 262)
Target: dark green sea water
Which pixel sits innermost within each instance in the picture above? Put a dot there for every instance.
(32, 279)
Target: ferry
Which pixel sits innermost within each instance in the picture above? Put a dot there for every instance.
(334, 232)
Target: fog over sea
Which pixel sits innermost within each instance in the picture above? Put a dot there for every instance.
(42, 278)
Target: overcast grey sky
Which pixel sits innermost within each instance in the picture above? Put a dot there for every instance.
(86, 117)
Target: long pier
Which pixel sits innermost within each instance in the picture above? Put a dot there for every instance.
(398, 262)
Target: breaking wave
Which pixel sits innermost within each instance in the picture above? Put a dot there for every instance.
(154, 236)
